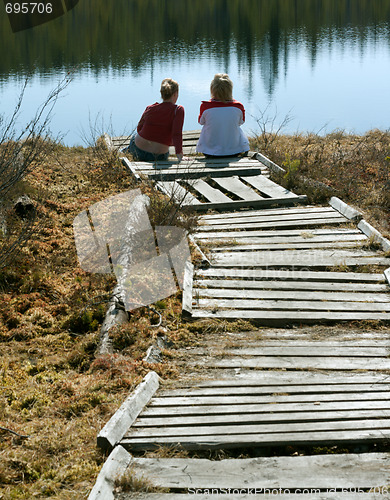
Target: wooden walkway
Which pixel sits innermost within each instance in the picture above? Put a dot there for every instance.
(269, 391)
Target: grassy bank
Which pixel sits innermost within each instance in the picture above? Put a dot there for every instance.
(56, 395)
(352, 167)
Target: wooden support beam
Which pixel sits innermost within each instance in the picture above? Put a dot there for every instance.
(123, 418)
(371, 232)
(348, 212)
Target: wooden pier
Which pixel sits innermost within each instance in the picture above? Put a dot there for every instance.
(310, 390)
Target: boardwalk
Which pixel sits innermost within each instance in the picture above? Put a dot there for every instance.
(270, 392)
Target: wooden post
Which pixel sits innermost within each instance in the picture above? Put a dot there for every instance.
(371, 232)
(115, 465)
(348, 212)
(124, 417)
(187, 289)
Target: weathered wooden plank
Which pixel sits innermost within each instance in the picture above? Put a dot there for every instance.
(247, 440)
(236, 429)
(268, 187)
(271, 246)
(118, 424)
(291, 305)
(307, 259)
(298, 295)
(346, 210)
(187, 289)
(303, 378)
(263, 387)
(283, 317)
(371, 232)
(303, 362)
(313, 407)
(177, 192)
(269, 163)
(281, 274)
(278, 211)
(115, 465)
(131, 167)
(254, 220)
(246, 204)
(186, 401)
(263, 418)
(277, 241)
(283, 223)
(210, 193)
(313, 349)
(328, 472)
(235, 186)
(274, 389)
(292, 285)
(181, 171)
(278, 233)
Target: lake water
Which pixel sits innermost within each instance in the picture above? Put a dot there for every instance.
(323, 63)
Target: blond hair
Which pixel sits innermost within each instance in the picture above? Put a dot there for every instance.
(168, 88)
(221, 88)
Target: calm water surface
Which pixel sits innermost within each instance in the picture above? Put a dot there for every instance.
(323, 63)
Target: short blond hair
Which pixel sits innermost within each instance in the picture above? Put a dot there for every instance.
(221, 87)
(168, 88)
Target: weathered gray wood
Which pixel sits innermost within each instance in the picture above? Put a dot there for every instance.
(240, 204)
(313, 349)
(251, 390)
(209, 192)
(346, 210)
(205, 261)
(283, 223)
(387, 275)
(280, 212)
(312, 296)
(234, 185)
(244, 218)
(287, 317)
(263, 418)
(322, 472)
(118, 424)
(281, 274)
(185, 173)
(279, 242)
(177, 192)
(238, 247)
(172, 401)
(247, 440)
(115, 315)
(265, 409)
(371, 232)
(268, 187)
(308, 259)
(265, 235)
(255, 429)
(187, 289)
(313, 362)
(302, 378)
(269, 164)
(131, 167)
(292, 305)
(292, 285)
(115, 465)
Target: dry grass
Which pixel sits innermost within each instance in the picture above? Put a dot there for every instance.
(354, 168)
(54, 389)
